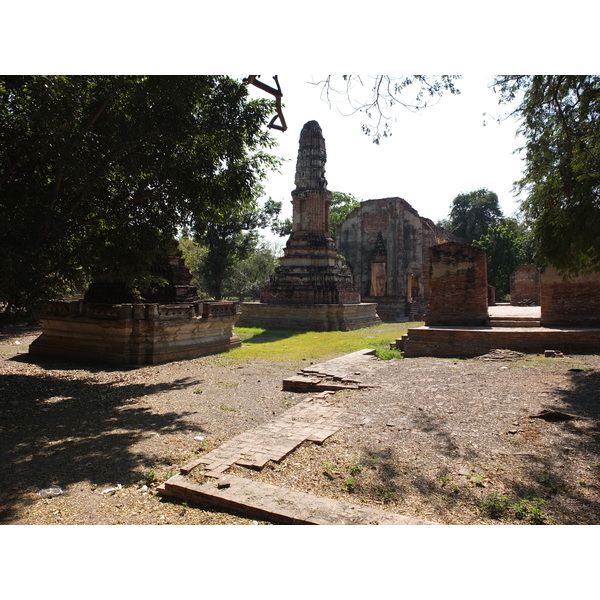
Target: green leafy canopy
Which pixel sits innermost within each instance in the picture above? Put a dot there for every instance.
(98, 173)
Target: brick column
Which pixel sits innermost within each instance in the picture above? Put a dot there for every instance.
(458, 286)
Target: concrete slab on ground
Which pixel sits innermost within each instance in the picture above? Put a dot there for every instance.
(507, 310)
(279, 505)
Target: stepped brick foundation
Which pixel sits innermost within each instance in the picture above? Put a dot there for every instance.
(135, 334)
(444, 342)
(309, 317)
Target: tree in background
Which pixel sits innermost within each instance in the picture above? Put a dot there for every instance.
(226, 241)
(473, 213)
(378, 95)
(560, 121)
(98, 173)
(250, 275)
(342, 204)
(477, 218)
(507, 245)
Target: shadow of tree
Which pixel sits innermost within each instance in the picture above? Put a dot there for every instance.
(266, 336)
(570, 467)
(559, 462)
(59, 430)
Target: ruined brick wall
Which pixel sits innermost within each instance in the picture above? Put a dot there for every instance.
(458, 286)
(407, 237)
(569, 302)
(525, 286)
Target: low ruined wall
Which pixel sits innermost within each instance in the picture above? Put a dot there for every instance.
(569, 302)
(135, 333)
(444, 342)
(525, 286)
(459, 290)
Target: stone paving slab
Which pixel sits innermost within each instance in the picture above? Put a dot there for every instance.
(279, 505)
(343, 367)
(333, 375)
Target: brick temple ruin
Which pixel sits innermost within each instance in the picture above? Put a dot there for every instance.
(109, 326)
(386, 244)
(311, 289)
(459, 322)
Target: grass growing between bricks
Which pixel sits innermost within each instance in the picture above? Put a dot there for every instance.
(287, 345)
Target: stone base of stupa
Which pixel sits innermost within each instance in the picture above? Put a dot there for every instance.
(308, 317)
(135, 334)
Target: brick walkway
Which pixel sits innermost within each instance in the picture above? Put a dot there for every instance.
(311, 420)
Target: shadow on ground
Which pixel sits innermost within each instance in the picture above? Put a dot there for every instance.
(55, 430)
(577, 448)
(555, 461)
(265, 336)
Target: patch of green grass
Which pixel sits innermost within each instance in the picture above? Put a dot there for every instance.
(530, 510)
(444, 479)
(527, 509)
(386, 493)
(388, 353)
(547, 480)
(148, 478)
(355, 469)
(328, 470)
(477, 479)
(349, 485)
(496, 506)
(229, 408)
(286, 345)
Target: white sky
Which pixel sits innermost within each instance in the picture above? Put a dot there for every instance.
(432, 156)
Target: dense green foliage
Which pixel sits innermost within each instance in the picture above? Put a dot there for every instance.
(560, 121)
(342, 205)
(507, 245)
(98, 173)
(250, 275)
(473, 213)
(227, 246)
(477, 218)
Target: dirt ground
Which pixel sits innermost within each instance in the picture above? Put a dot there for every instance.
(452, 441)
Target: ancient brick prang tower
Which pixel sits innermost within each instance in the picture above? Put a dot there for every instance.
(311, 289)
(310, 271)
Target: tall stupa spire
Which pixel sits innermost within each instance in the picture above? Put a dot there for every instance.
(312, 156)
(311, 289)
(311, 199)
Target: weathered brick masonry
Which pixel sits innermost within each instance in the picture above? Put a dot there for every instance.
(458, 286)
(569, 302)
(386, 244)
